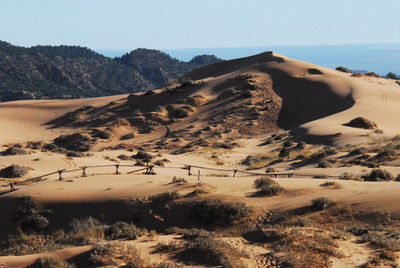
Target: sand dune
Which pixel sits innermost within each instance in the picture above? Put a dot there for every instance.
(309, 101)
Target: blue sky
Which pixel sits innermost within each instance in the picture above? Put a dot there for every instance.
(168, 24)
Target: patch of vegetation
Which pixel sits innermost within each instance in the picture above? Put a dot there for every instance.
(332, 184)
(321, 203)
(49, 262)
(381, 240)
(378, 175)
(216, 251)
(127, 136)
(101, 134)
(29, 217)
(74, 142)
(215, 211)
(178, 180)
(116, 253)
(344, 69)
(121, 229)
(267, 187)
(13, 171)
(141, 155)
(14, 150)
(361, 122)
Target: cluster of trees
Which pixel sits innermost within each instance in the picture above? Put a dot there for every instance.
(76, 72)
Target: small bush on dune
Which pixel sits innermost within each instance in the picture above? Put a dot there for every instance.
(321, 203)
(349, 176)
(284, 153)
(378, 175)
(122, 230)
(116, 254)
(101, 134)
(301, 145)
(28, 217)
(165, 197)
(128, 136)
(215, 210)
(14, 150)
(267, 186)
(178, 180)
(49, 262)
(85, 229)
(343, 69)
(217, 251)
(263, 181)
(271, 190)
(13, 171)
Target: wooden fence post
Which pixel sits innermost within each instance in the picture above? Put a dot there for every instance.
(234, 172)
(84, 171)
(189, 168)
(60, 171)
(198, 174)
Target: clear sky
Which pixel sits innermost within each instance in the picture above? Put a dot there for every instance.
(167, 24)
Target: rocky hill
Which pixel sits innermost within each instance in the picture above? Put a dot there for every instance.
(43, 72)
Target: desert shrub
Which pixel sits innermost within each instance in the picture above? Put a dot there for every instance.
(349, 176)
(271, 190)
(267, 186)
(85, 229)
(361, 122)
(178, 180)
(14, 150)
(391, 75)
(263, 181)
(116, 254)
(141, 155)
(13, 171)
(343, 69)
(331, 184)
(170, 265)
(124, 157)
(74, 142)
(216, 251)
(284, 153)
(178, 113)
(288, 143)
(159, 163)
(122, 230)
(28, 217)
(358, 151)
(381, 240)
(388, 255)
(301, 145)
(270, 170)
(101, 134)
(321, 203)
(34, 144)
(372, 74)
(128, 136)
(49, 262)
(215, 210)
(324, 164)
(74, 154)
(165, 197)
(378, 175)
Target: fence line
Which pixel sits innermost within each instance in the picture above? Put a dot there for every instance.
(149, 170)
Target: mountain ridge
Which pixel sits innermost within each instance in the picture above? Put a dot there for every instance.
(48, 72)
